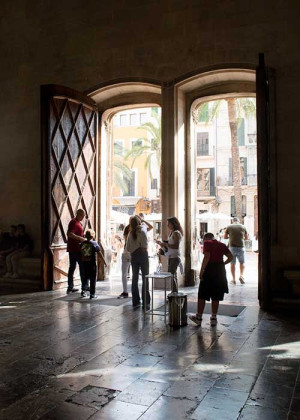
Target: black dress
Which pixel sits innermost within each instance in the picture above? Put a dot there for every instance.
(214, 284)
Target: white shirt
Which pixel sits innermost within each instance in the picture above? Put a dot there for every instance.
(172, 252)
(140, 242)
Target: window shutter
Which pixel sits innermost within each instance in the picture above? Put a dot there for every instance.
(241, 131)
(245, 172)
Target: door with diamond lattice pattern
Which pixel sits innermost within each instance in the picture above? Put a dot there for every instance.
(70, 127)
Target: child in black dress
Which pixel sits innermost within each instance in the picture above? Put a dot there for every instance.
(213, 281)
(89, 249)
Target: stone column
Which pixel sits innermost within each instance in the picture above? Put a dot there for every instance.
(168, 165)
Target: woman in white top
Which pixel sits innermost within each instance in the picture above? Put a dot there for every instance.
(137, 245)
(174, 239)
(126, 260)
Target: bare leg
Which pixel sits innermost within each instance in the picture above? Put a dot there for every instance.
(201, 306)
(214, 307)
(232, 268)
(214, 311)
(242, 268)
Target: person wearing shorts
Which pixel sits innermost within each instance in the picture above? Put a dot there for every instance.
(213, 281)
(237, 233)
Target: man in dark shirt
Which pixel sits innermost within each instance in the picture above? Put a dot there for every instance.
(75, 237)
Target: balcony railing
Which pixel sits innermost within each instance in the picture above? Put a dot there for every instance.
(250, 180)
(207, 193)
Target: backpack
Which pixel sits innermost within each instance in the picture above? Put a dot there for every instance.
(87, 251)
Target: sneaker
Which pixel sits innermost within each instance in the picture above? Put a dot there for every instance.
(196, 319)
(14, 276)
(83, 294)
(138, 305)
(233, 281)
(123, 295)
(73, 290)
(241, 279)
(93, 296)
(213, 321)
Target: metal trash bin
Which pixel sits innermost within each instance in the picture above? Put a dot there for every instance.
(177, 309)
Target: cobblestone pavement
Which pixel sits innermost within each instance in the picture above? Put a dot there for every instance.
(72, 358)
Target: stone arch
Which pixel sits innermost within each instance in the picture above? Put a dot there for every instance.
(112, 97)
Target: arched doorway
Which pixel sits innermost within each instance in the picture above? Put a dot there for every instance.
(176, 98)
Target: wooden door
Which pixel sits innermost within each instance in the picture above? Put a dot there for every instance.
(266, 177)
(69, 144)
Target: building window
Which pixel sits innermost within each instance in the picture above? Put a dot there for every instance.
(118, 147)
(202, 144)
(130, 183)
(116, 120)
(133, 119)
(154, 184)
(123, 120)
(143, 118)
(206, 182)
(203, 181)
(135, 143)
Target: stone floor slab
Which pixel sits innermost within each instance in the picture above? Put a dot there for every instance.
(142, 392)
(170, 408)
(117, 410)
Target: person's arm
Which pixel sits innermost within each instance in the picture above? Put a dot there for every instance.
(7, 250)
(78, 238)
(226, 234)
(246, 235)
(204, 263)
(149, 227)
(229, 256)
(176, 238)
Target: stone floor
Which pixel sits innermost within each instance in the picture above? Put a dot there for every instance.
(76, 359)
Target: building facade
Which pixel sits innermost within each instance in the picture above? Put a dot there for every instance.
(214, 186)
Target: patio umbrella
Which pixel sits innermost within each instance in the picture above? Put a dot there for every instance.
(213, 216)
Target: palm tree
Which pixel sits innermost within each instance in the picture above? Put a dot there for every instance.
(121, 172)
(148, 146)
(236, 107)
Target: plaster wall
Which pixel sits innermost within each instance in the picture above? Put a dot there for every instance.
(83, 43)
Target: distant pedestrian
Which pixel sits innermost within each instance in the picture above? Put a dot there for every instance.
(237, 233)
(89, 249)
(213, 281)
